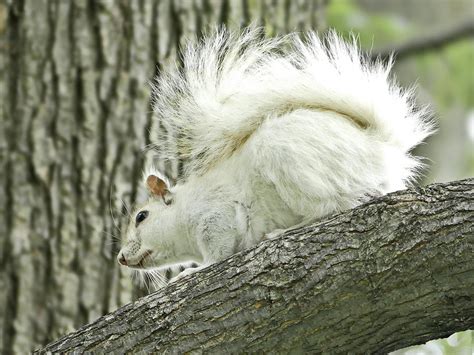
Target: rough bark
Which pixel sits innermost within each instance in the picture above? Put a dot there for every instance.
(75, 117)
(394, 272)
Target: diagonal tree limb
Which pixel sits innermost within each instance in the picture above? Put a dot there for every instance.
(394, 272)
(430, 42)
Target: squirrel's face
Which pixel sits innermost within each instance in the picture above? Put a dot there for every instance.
(149, 231)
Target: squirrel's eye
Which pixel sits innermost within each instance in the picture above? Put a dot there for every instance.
(140, 217)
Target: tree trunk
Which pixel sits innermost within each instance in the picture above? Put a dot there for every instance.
(75, 118)
(394, 272)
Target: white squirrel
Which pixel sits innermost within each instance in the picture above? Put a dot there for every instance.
(275, 133)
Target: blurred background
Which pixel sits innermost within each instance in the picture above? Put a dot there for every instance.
(76, 118)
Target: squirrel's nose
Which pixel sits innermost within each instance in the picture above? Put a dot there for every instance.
(121, 259)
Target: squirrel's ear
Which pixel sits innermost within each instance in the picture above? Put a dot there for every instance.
(159, 187)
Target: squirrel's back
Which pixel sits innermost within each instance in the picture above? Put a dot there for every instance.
(232, 86)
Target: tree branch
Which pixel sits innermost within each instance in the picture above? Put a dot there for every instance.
(394, 272)
(430, 42)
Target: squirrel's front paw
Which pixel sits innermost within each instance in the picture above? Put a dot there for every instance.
(186, 272)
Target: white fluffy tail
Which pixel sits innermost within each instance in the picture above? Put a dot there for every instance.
(231, 83)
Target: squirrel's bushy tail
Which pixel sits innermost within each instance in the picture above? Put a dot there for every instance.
(230, 84)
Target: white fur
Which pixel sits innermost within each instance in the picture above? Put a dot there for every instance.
(274, 133)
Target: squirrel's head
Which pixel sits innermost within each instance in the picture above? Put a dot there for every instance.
(149, 233)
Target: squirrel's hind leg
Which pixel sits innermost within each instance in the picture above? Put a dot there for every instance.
(318, 162)
(278, 232)
(274, 234)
